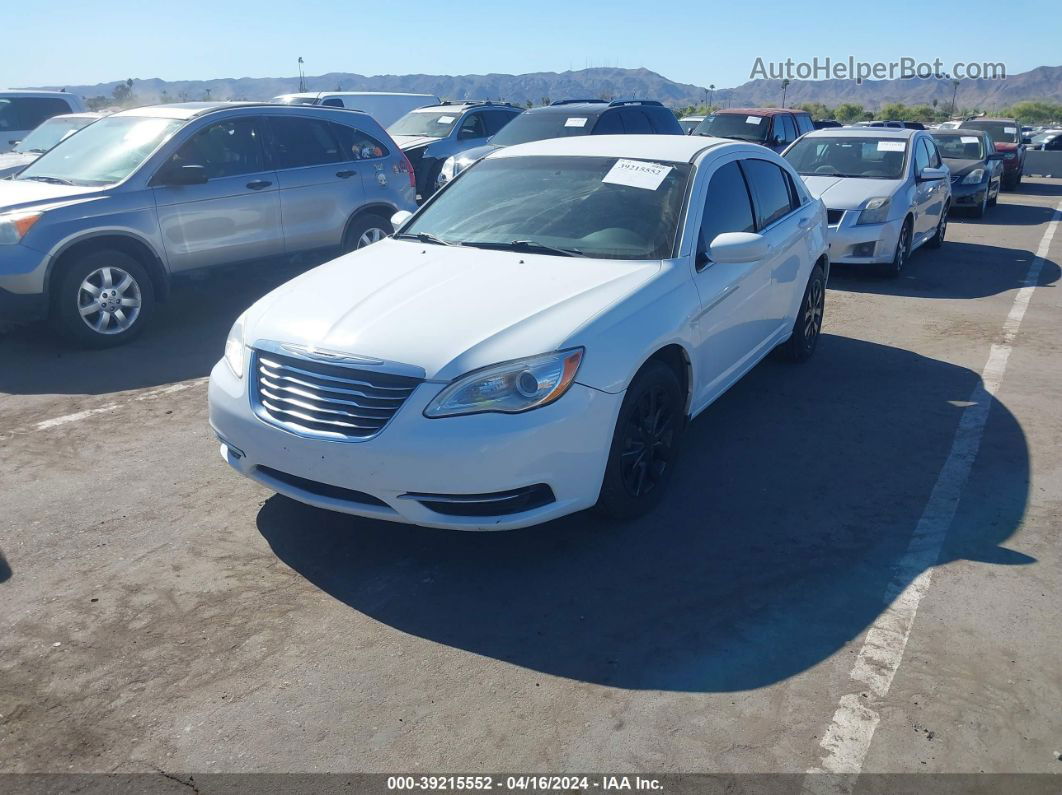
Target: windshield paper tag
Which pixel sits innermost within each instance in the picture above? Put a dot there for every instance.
(969, 139)
(753, 119)
(575, 121)
(637, 174)
(1010, 130)
(445, 120)
(891, 146)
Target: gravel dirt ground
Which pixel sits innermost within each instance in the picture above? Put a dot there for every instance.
(160, 613)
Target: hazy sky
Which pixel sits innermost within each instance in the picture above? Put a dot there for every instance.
(76, 42)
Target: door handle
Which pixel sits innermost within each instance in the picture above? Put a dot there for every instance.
(345, 174)
(258, 184)
(804, 223)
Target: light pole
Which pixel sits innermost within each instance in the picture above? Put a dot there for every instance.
(710, 95)
(302, 80)
(954, 92)
(785, 85)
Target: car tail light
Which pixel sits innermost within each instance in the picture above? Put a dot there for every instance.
(409, 170)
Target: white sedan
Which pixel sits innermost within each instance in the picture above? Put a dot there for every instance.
(533, 341)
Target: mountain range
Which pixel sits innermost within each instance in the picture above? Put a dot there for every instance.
(1042, 83)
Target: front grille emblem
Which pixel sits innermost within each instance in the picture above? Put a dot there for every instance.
(329, 356)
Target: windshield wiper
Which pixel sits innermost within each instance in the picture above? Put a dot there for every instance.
(423, 237)
(527, 245)
(33, 151)
(53, 180)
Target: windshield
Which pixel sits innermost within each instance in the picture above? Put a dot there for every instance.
(735, 125)
(1002, 131)
(539, 126)
(596, 206)
(870, 158)
(431, 125)
(102, 153)
(49, 133)
(960, 147)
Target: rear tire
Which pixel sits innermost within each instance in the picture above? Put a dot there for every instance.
(366, 230)
(807, 328)
(104, 299)
(644, 444)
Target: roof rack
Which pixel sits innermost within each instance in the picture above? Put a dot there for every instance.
(616, 102)
(477, 102)
(575, 101)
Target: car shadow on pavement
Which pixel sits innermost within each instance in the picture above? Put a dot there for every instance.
(958, 270)
(796, 497)
(185, 339)
(1039, 187)
(5, 569)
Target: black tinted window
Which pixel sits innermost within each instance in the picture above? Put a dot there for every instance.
(25, 113)
(609, 124)
(663, 121)
(804, 123)
(357, 145)
(473, 126)
(635, 121)
(496, 119)
(727, 207)
(934, 155)
(784, 126)
(298, 142)
(333, 102)
(769, 190)
(225, 149)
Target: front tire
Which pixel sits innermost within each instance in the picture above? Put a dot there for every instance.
(103, 299)
(942, 229)
(644, 444)
(903, 251)
(807, 328)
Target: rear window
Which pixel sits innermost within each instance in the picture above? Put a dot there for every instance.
(538, 126)
(1002, 131)
(25, 113)
(742, 126)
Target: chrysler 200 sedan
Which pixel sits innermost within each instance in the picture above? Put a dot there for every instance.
(533, 341)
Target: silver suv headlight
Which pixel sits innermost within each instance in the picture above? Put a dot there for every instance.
(509, 387)
(14, 226)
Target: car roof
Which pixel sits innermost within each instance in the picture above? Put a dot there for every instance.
(759, 111)
(993, 119)
(463, 106)
(957, 131)
(672, 148)
(319, 94)
(191, 110)
(863, 132)
(25, 92)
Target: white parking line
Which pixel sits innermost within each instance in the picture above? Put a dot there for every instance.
(847, 739)
(152, 394)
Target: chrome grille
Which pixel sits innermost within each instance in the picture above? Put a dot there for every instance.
(331, 401)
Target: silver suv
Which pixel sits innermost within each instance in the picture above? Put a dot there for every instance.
(92, 232)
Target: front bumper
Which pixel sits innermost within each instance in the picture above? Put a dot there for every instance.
(564, 446)
(968, 195)
(866, 244)
(21, 308)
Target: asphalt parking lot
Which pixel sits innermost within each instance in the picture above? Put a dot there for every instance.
(161, 613)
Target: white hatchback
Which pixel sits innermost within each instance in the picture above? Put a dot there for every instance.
(533, 341)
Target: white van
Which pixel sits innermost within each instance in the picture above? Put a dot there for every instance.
(385, 107)
(22, 111)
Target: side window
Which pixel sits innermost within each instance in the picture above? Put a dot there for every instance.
(663, 121)
(796, 197)
(333, 102)
(299, 142)
(8, 114)
(357, 145)
(609, 123)
(635, 121)
(496, 119)
(770, 191)
(226, 149)
(804, 123)
(934, 155)
(473, 126)
(34, 110)
(921, 157)
(727, 207)
(789, 133)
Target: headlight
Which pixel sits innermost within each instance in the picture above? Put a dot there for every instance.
(449, 168)
(1010, 155)
(14, 226)
(876, 211)
(234, 348)
(510, 387)
(974, 177)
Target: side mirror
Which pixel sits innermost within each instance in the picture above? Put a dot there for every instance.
(184, 175)
(400, 218)
(736, 247)
(995, 156)
(13, 142)
(464, 134)
(929, 173)
(1025, 139)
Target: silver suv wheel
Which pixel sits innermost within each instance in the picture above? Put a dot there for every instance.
(109, 300)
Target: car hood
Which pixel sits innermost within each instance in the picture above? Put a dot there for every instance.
(445, 309)
(12, 162)
(960, 167)
(18, 194)
(413, 141)
(849, 193)
(470, 156)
